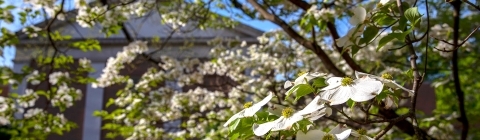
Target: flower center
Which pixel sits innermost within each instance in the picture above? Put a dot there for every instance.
(247, 105)
(328, 137)
(287, 112)
(300, 73)
(387, 76)
(362, 131)
(347, 81)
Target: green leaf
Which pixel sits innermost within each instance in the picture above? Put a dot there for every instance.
(402, 24)
(412, 15)
(235, 136)
(302, 90)
(402, 110)
(389, 38)
(383, 19)
(319, 83)
(382, 95)
(350, 103)
(290, 91)
(369, 33)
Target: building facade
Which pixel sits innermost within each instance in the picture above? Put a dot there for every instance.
(146, 28)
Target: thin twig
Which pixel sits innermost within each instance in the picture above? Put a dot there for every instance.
(458, 88)
(471, 4)
(384, 131)
(416, 75)
(328, 63)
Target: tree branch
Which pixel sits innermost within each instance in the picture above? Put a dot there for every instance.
(297, 37)
(458, 89)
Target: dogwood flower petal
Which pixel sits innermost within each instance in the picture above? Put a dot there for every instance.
(333, 82)
(359, 15)
(341, 132)
(262, 129)
(383, 2)
(389, 83)
(319, 113)
(316, 104)
(337, 96)
(250, 111)
(365, 89)
(282, 123)
(287, 123)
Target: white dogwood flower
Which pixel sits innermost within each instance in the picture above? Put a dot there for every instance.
(285, 122)
(313, 111)
(338, 133)
(339, 89)
(386, 79)
(250, 109)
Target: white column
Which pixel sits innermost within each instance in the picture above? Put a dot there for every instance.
(17, 68)
(93, 101)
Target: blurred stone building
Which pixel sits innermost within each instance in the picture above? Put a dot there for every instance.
(147, 28)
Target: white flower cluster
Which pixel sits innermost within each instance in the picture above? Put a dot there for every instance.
(28, 99)
(33, 78)
(84, 62)
(111, 72)
(48, 5)
(65, 95)
(89, 15)
(5, 107)
(58, 76)
(31, 31)
(325, 14)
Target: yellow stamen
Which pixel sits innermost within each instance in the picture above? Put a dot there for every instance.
(328, 137)
(347, 81)
(387, 76)
(362, 131)
(247, 105)
(287, 112)
(300, 73)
